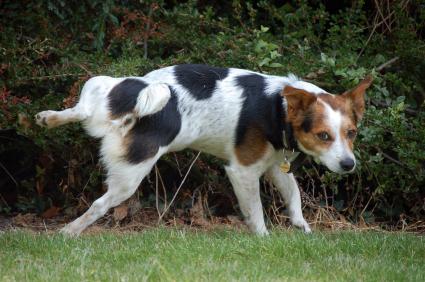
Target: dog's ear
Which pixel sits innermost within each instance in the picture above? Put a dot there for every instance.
(297, 100)
(356, 97)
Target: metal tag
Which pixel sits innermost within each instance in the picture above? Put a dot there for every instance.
(285, 166)
(288, 157)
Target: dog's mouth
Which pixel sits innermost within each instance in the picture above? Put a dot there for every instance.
(337, 166)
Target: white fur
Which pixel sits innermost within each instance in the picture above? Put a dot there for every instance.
(288, 187)
(208, 125)
(152, 99)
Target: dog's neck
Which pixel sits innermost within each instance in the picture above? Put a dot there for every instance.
(289, 142)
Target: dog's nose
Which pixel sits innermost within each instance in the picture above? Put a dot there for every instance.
(347, 164)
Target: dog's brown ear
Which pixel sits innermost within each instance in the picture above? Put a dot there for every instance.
(298, 100)
(356, 97)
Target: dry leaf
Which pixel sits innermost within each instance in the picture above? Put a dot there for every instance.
(197, 213)
(24, 121)
(120, 212)
(134, 205)
(24, 220)
(51, 212)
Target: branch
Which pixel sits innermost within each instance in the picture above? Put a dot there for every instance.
(409, 111)
(387, 64)
(178, 189)
(9, 174)
(388, 157)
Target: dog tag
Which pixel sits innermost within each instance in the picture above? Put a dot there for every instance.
(285, 166)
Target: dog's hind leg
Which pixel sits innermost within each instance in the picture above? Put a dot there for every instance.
(288, 188)
(52, 119)
(245, 182)
(122, 181)
(91, 99)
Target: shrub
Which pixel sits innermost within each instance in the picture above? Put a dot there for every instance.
(49, 48)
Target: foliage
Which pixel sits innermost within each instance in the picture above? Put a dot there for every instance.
(49, 48)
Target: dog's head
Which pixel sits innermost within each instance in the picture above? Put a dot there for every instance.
(325, 125)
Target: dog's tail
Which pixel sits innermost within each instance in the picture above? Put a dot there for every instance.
(152, 99)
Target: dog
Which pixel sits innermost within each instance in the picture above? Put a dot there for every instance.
(260, 124)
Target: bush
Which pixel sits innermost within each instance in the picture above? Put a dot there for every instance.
(50, 48)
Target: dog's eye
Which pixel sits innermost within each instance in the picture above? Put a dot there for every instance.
(324, 136)
(352, 133)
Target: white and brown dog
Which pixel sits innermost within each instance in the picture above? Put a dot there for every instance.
(255, 122)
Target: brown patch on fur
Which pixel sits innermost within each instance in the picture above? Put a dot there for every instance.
(253, 147)
(347, 124)
(342, 104)
(355, 97)
(309, 139)
(298, 100)
(302, 105)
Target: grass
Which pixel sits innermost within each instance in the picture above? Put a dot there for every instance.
(182, 255)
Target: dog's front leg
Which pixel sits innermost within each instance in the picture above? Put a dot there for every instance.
(247, 189)
(288, 188)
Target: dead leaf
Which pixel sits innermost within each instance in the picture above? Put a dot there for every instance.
(120, 212)
(51, 212)
(197, 215)
(24, 220)
(134, 205)
(24, 121)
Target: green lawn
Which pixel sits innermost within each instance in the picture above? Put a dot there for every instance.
(184, 255)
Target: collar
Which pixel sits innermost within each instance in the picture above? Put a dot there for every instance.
(293, 157)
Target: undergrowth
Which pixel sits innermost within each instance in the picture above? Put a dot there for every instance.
(49, 48)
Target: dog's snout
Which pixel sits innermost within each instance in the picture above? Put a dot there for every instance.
(347, 164)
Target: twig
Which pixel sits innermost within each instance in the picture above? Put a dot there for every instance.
(52, 76)
(385, 155)
(83, 68)
(365, 207)
(392, 159)
(180, 186)
(370, 36)
(156, 191)
(163, 187)
(407, 110)
(178, 165)
(384, 19)
(376, 25)
(8, 173)
(387, 64)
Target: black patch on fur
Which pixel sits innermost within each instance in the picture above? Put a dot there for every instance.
(291, 142)
(123, 97)
(153, 131)
(355, 119)
(200, 80)
(260, 110)
(307, 123)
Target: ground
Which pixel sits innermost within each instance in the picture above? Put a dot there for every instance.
(220, 254)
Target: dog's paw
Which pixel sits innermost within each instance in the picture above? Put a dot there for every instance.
(69, 231)
(45, 119)
(302, 224)
(262, 233)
